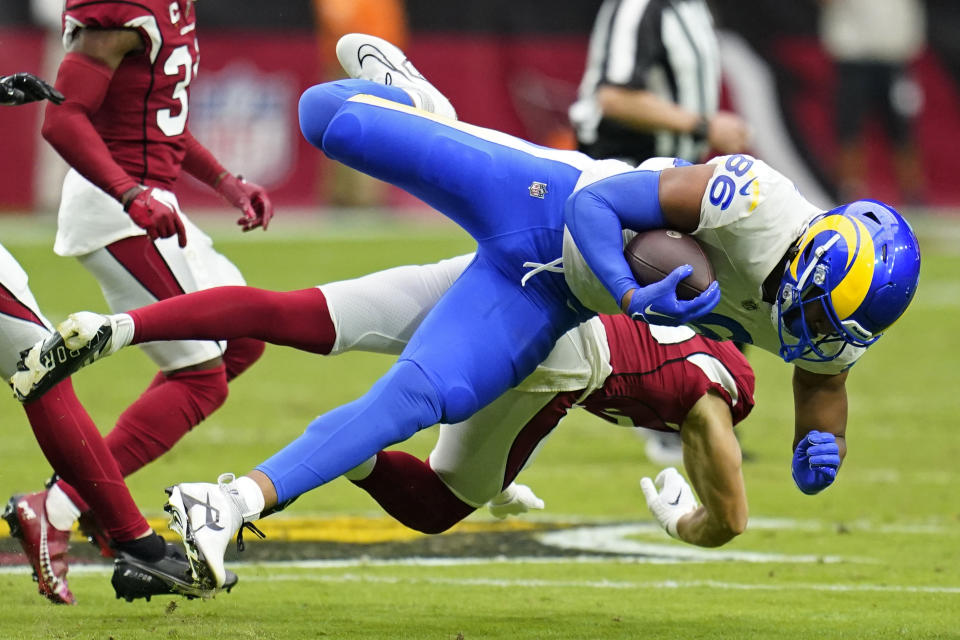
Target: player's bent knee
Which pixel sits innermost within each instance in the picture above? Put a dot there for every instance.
(342, 139)
(409, 400)
(459, 404)
(447, 403)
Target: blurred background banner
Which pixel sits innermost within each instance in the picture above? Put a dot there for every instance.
(21, 49)
(511, 65)
(243, 107)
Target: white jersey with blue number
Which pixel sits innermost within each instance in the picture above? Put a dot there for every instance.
(749, 216)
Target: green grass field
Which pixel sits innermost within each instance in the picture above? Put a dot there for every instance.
(875, 556)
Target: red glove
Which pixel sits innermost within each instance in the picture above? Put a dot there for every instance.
(251, 199)
(157, 211)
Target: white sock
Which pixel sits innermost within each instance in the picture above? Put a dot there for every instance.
(362, 470)
(252, 497)
(122, 331)
(61, 512)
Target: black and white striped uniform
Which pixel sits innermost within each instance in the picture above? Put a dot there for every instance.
(667, 47)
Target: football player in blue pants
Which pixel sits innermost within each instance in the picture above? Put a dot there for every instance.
(501, 318)
(815, 287)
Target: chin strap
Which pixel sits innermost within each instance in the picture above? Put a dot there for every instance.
(771, 296)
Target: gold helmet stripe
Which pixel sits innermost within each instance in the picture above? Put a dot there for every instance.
(851, 291)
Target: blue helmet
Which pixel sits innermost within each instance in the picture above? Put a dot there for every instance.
(861, 263)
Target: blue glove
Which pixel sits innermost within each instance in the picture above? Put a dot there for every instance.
(815, 462)
(657, 303)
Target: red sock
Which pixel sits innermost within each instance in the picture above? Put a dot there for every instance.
(76, 451)
(408, 489)
(166, 411)
(298, 319)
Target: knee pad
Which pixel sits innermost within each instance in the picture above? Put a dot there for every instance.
(319, 104)
(405, 402)
(316, 109)
(340, 140)
(459, 403)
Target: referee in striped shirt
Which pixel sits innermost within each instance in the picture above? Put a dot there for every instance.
(652, 85)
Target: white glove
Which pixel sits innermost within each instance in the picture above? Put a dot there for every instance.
(514, 500)
(674, 499)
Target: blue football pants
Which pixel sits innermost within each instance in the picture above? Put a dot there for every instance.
(488, 332)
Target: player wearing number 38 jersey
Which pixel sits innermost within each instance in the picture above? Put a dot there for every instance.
(123, 128)
(750, 217)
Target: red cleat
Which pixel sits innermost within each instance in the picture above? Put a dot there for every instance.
(45, 546)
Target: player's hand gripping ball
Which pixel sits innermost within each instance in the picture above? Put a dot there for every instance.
(677, 282)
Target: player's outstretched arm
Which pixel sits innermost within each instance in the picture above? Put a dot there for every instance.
(820, 409)
(251, 199)
(712, 458)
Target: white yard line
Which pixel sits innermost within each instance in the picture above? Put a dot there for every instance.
(610, 584)
(510, 583)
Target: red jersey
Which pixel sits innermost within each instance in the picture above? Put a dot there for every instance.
(144, 115)
(655, 383)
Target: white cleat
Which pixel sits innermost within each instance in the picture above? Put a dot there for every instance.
(514, 500)
(371, 58)
(83, 338)
(207, 516)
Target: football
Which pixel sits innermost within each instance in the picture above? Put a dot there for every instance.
(653, 254)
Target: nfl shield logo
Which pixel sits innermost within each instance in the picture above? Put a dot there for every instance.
(247, 117)
(538, 190)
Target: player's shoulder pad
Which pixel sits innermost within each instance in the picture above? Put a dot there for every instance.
(739, 185)
(661, 163)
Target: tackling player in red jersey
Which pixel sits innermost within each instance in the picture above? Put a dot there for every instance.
(661, 378)
(629, 373)
(123, 128)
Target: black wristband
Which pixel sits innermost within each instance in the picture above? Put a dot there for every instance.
(701, 130)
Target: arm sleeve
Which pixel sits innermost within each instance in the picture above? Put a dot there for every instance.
(200, 163)
(597, 215)
(67, 127)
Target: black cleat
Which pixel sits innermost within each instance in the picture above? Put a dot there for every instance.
(134, 578)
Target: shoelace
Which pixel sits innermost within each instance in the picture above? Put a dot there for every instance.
(225, 480)
(253, 529)
(554, 266)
